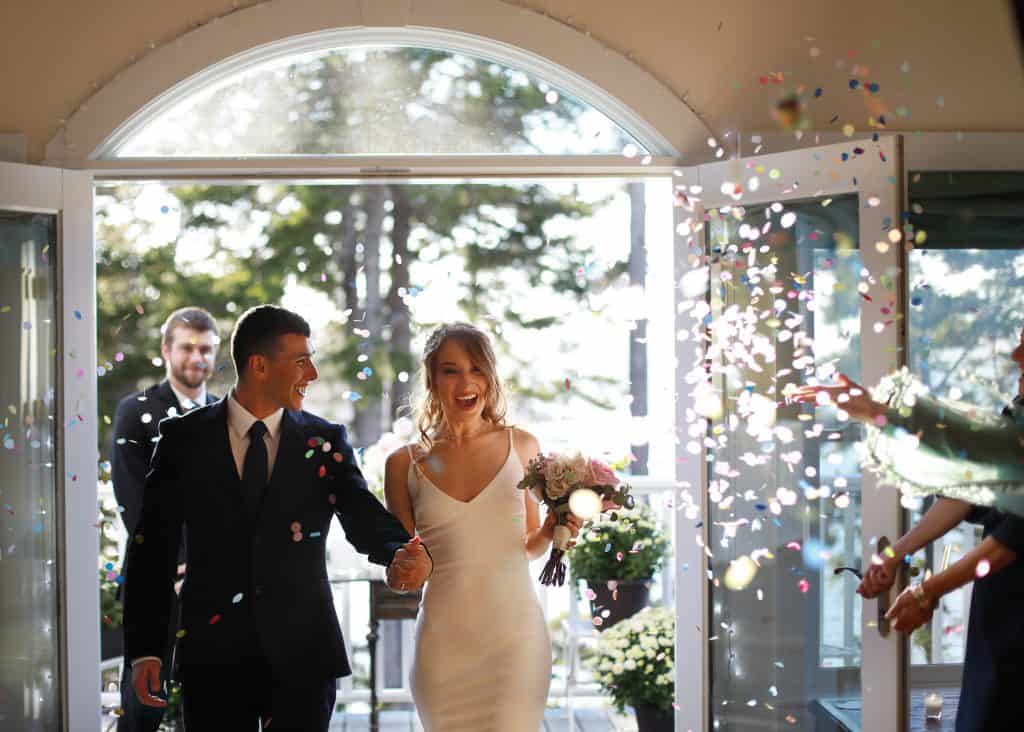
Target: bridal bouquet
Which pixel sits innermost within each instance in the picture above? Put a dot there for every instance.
(576, 484)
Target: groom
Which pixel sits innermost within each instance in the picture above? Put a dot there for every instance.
(255, 481)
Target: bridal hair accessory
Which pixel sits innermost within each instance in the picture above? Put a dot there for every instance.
(572, 484)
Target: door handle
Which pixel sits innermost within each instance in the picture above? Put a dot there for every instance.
(882, 624)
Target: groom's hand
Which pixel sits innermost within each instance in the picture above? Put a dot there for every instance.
(410, 567)
(146, 682)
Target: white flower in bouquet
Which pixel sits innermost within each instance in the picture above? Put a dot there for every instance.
(579, 467)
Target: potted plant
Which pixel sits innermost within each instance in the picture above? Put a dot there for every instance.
(618, 558)
(635, 662)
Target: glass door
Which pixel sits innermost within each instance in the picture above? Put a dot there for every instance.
(965, 200)
(48, 541)
(800, 276)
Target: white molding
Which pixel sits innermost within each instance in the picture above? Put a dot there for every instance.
(690, 535)
(78, 433)
(69, 194)
(883, 681)
(561, 55)
(349, 167)
(964, 151)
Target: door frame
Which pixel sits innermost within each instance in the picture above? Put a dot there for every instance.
(884, 697)
(68, 195)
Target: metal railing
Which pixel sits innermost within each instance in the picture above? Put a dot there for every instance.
(569, 678)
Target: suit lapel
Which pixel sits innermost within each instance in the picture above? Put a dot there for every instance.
(287, 464)
(167, 399)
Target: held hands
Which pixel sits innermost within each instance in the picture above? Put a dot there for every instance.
(146, 682)
(848, 395)
(410, 567)
(912, 609)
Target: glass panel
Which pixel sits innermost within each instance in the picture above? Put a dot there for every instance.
(784, 483)
(964, 317)
(29, 644)
(379, 101)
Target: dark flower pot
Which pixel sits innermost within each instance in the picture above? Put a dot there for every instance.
(653, 719)
(630, 597)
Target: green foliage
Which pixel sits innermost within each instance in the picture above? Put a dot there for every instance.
(635, 536)
(367, 248)
(111, 611)
(635, 659)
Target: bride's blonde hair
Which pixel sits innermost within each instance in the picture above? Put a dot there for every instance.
(430, 415)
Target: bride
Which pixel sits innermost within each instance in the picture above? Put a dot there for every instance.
(483, 654)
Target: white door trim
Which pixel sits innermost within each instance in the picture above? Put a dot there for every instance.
(813, 173)
(69, 195)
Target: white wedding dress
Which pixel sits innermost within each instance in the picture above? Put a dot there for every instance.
(483, 653)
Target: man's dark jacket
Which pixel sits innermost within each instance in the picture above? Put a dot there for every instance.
(251, 579)
(134, 437)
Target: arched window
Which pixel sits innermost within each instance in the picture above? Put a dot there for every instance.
(377, 100)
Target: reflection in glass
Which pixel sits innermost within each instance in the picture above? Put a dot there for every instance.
(29, 644)
(784, 494)
(966, 309)
(379, 101)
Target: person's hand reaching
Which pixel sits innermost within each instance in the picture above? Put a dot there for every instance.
(878, 579)
(848, 395)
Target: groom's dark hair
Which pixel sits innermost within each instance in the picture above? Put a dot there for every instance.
(257, 331)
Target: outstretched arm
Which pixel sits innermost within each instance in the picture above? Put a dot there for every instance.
(371, 529)
(944, 514)
(944, 431)
(915, 605)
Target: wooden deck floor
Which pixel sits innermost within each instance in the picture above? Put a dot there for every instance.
(555, 720)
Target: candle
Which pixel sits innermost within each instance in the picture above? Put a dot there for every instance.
(932, 706)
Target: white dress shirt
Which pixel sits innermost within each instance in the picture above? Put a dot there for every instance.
(239, 422)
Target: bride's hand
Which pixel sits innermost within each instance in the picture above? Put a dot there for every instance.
(573, 522)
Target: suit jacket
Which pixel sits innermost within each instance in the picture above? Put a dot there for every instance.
(250, 579)
(133, 443)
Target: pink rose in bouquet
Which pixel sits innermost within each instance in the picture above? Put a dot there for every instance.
(601, 474)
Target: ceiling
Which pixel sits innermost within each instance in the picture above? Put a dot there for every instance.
(937, 64)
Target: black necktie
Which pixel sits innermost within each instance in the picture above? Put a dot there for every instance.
(254, 469)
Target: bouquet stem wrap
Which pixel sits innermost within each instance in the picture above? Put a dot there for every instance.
(554, 570)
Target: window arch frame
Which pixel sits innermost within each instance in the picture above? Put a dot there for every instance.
(562, 56)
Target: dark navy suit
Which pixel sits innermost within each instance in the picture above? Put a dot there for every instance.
(260, 632)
